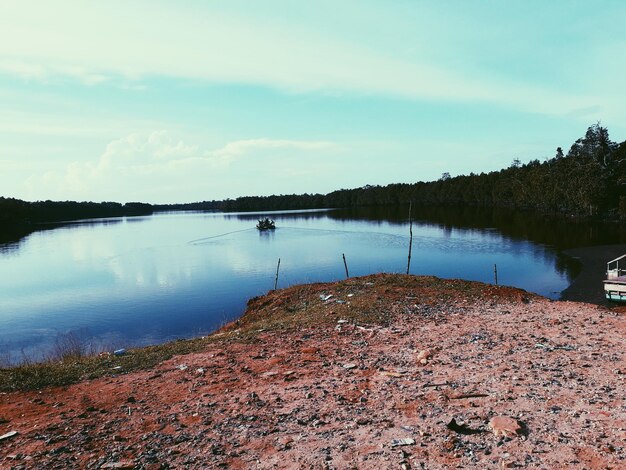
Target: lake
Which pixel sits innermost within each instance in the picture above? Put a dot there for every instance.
(143, 280)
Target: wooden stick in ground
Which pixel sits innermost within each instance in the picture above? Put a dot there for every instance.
(345, 265)
(408, 264)
(276, 280)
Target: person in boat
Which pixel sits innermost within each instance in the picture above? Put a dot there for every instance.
(266, 224)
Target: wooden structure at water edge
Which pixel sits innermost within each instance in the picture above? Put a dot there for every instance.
(615, 283)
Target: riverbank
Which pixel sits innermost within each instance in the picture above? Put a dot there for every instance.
(587, 286)
(381, 371)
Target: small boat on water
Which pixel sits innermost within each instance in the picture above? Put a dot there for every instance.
(615, 283)
(266, 224)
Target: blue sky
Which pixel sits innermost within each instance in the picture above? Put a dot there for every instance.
(164, 101)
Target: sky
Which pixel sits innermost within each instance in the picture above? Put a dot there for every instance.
(165, 101)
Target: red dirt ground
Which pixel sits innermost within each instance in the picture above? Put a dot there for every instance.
(390, 372)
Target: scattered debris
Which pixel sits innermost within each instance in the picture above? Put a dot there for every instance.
(460, 396)
(8, 435)
(407, 441)
(308, 395)
(123, 464)
(392, 374)
(442, 384)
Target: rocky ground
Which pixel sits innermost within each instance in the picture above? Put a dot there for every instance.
(383, 371)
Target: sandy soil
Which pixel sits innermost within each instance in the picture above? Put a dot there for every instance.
(387, 372)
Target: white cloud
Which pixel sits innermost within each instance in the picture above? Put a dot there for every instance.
(22, 69)
(163, 168)
(93, 42)
(38, 124)
(241, 147)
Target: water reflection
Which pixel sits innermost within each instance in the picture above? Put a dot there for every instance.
(9, 247)
(148, 279)
(560, 232)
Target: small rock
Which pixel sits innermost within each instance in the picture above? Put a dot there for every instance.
(407, 441)
(124, 464)
(349, 366)
(392, 374)
(8, 435)
(608, 449)
(423, 356)
(505, 426)
(119, 352)
(284, 443)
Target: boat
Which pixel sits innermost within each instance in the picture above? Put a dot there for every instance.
(615, 283)
(266, 224)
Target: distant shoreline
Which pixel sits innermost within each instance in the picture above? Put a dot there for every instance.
(587, 286)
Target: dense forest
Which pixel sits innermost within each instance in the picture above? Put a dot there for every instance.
(588, 181)
(18, 218)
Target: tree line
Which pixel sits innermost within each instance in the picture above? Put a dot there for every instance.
(18, 218)
(588, 181)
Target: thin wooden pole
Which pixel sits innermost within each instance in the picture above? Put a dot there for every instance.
(495, 272)
(345, 264)
(276, 280)
(408, 263)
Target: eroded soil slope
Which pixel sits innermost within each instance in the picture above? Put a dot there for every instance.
(383, 371)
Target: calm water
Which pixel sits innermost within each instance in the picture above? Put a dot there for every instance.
(136, 281)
